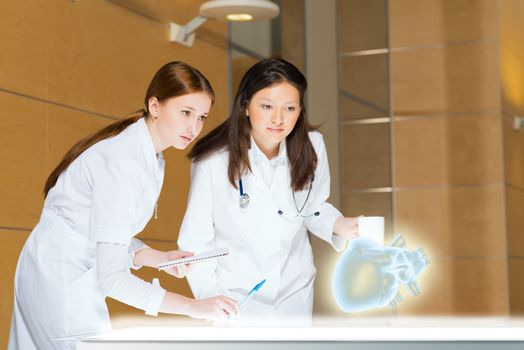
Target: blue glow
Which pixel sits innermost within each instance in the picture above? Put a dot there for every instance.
(368, 275)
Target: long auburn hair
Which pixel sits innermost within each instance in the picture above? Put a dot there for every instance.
(172, 80)
(234, 133)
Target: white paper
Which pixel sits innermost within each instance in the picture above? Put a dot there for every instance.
(211, 254)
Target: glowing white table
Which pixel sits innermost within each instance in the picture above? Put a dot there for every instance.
(372, 338)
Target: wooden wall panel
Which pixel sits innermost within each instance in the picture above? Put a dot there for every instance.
(515, 221)
(452, 79)
(447, 148)
(452, 150)
(454, 222)
(513, 154)
(362, 25)
(430, 22)
(82, 62)
(460, 287)
(292, 35)
(511, 56)
(366, 152)
(23, 46)
(516, 284)
(66, 127)
(365, 78)
(23, 153)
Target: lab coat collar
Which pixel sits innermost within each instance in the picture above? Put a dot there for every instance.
(279, 184)
(155, 163)
(258, 157)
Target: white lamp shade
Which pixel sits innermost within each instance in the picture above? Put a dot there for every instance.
(257, 9)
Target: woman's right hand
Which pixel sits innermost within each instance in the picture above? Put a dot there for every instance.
(217, 308)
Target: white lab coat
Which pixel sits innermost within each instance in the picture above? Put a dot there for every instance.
(262, 243)
(106, 195)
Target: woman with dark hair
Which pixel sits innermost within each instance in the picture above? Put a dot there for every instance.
(103, 193)
(259, 181)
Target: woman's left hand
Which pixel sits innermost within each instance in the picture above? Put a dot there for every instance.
(347, 227)
(179, 271)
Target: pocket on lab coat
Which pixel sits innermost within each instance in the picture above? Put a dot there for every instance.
(85, 307)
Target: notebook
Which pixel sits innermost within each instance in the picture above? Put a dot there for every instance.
(211, 254)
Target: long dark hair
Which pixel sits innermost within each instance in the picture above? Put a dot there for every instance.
(234, 133)
(172, 80)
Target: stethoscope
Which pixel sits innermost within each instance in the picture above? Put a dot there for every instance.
(244, 200)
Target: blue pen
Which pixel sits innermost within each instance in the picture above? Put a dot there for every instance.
(253, 291)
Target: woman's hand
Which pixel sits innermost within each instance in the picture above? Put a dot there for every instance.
(347, 227)
(216, 309)
(179, 271)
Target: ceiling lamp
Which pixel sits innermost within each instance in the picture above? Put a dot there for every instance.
(224, 10)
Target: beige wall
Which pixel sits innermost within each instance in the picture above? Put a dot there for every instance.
(322, 110)
(365, 143)
(447, 149)
(423, 143)
(511, 54)
(292, 23)
(68, 68)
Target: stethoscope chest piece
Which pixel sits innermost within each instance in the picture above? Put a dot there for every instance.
(244, 201)
(244, 197)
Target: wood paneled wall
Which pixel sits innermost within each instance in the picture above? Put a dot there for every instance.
(434, 137)
(511, 58)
